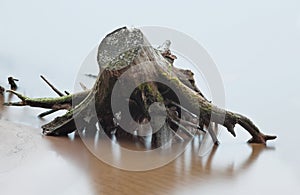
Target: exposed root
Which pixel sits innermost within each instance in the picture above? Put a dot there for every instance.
(63, 102)
(197, 107)
(257, 137)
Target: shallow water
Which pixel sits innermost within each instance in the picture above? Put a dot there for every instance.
(63, 165)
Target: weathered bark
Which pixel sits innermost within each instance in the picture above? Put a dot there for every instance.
(128, 51)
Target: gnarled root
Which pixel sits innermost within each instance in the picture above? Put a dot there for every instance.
(154, 67)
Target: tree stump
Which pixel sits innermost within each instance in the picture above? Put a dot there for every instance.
(161, 94)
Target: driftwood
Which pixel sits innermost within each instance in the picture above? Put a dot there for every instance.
(127, 51)
(12, 83)
(2, 89)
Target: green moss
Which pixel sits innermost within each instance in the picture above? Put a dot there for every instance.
(149, 88)
(164, 74)
(175, 80)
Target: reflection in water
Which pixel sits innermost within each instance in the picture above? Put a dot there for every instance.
(256, 150)
(187, 170)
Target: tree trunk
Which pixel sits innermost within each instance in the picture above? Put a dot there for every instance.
(160, 91)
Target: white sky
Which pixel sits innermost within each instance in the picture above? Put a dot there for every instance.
(255, 44)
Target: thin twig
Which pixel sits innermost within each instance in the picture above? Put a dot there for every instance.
(185, 130)
(14, 104)
(91, 75)
(83, 86)
(22, 97)
(54, 88)
(46, 113)
(57, 91)
(176, 134)
(183, 108)
(184, 122)
(213, 134)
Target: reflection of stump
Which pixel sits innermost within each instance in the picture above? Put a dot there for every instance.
(127, 51)
(11, 81)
